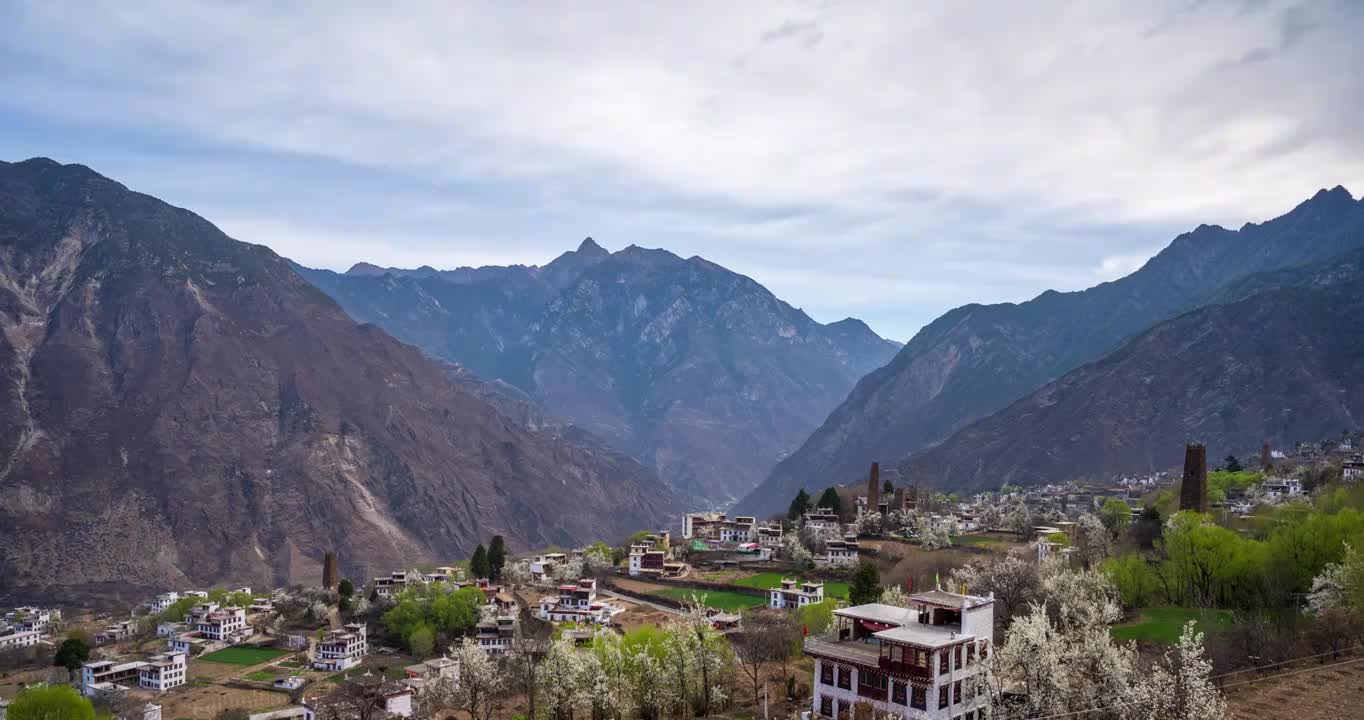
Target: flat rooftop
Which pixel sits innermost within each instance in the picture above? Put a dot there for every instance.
(931, 636)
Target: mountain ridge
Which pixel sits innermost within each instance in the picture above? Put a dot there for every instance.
(178, 407)
(976, 359)
(615, 342)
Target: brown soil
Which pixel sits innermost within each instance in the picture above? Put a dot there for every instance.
(1319, 692)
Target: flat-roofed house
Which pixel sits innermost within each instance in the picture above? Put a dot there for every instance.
(920, 661)
(163, 672)
(342, 649)
(793, 594)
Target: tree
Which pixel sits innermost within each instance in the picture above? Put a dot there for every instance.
(480, 680)
(1115, 515)
(1231, 464)
(1339, 586)
(934, 536)
(421, 640)
(799, 505)
(762, 640)
(563, 679)
(528, 648)
(71, 654)
(832, 501)
(866, 584)
(1179, 688)
(497, 557)
(1014, 581)
(345, 588)
(50, 702)
(479, 564)
(887, 488)
(1093, 541)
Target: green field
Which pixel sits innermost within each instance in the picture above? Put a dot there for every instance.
(244, 655)
(1164, 625)
(769, 580)
(263, 675)
(974, 540)
(716, 599)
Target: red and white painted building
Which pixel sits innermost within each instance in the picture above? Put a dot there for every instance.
(341, 649)
(921, 662)
(793, 594)
(577, 603)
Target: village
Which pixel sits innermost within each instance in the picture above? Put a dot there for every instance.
(872, 598)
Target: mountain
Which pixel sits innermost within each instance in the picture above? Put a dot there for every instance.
(178, 408)
(1280, 358)
(698, 371)
(977, 359)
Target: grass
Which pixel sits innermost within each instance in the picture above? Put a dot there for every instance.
(974, 540)
(243, 655)
(769, 580)
(263, 675)
(716, 599)
(1164, 625)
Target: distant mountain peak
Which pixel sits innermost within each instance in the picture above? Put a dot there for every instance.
(590, 247)
(364, 268)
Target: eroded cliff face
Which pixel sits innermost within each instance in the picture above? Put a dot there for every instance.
(179, 407)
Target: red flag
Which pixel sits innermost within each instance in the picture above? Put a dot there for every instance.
(804, 629)
(909, 584)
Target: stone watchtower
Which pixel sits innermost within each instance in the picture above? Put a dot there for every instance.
(329, 578)
(874, 489)
(1193, 493)
(1266, 457)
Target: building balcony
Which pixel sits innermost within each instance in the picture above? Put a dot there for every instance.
(871, 692)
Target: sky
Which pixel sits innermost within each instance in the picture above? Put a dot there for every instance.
(882, 160)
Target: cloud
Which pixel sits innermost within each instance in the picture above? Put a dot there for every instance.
(915, 156)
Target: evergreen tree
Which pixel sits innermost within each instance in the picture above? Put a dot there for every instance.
(831, 500)
(50, 702)
(71, 654)
(866, 584)
(345, 588)
(799, 505)
(887, 489)
(1232, 464)
(478, 564)
(497, 557)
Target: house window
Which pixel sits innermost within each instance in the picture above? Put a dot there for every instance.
(844, 678)
(956, 657)
(897, 654)
(971, 715)
(942, 697)
(826, 674)
(956, 692)
(970, 653)
(826, 706)
(918, 698)
(942, 662)
(897, 693)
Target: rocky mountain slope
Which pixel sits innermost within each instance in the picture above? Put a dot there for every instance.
(977, 359)
(1280, 358)
(178, 408)
(697, 371)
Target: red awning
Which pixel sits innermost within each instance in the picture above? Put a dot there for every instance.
(875, 626)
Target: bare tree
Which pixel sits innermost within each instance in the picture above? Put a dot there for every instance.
(528, 648)
(360, 698)
(760, 642)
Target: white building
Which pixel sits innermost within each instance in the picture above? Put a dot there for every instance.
(923, 661)
(716, 526)
(1352, 470)
(163, 672)
(542, 567)
(162, 602)
(22, 639)
(769, 535)
(102, 677)
(395, 583)
(822, 520)
(219, 624)
(495, 636)
(341, 649)
(839, 552)
(1277, 489)
(116, 632)
(26, 619)
(577, 603)
(389, 700)
(793, 594)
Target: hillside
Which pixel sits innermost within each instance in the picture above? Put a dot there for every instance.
(1283, 363)
(179, 408)
(698, 371)
(977, 359)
